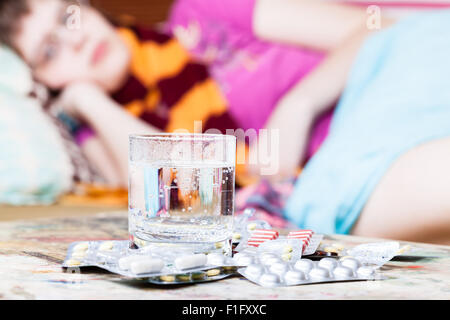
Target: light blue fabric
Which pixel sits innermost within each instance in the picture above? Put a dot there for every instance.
(397, 97)
(34, 166)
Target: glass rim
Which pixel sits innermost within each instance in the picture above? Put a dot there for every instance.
(178, 135)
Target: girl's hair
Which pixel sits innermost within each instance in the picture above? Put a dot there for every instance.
(10, 13)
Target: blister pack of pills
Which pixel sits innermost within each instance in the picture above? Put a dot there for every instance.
(268, 270)
(117, 257)
(307, 244)
(213, 274)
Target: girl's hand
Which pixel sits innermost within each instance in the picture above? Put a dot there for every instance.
(78, 97)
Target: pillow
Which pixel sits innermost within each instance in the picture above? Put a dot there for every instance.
(34, 167)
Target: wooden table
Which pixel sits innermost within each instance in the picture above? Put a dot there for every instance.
(31, 252)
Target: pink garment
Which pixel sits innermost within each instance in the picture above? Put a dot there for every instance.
(253, 74)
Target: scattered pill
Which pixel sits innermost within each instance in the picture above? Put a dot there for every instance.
(190, 261)
(218, 245)
(236, 236)
(147, 265)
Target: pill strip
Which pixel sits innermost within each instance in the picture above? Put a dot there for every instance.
(304, 235)
(261, 235)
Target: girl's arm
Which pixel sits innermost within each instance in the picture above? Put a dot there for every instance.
(108, 119)
(296, 111)
(337, 29)
(314, 24)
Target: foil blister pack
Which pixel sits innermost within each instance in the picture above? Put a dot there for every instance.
(157, 260)
(270, 271)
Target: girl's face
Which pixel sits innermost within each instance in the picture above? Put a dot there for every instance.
(65, 43)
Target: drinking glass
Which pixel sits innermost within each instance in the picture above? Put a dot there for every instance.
(181, 190)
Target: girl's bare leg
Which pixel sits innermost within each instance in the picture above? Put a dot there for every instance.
(412, 201)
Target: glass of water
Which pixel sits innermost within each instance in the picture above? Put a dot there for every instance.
(181, 190)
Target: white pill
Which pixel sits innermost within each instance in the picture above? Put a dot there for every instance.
(216, 259)
(190, 261)
(246, 260)
(266, 255)
(279, 268)
(293, 276)
(328, 263)
(251, 226)
(79, 255)
(125, 262)
(148, 265)
(269, 280)
(304, 265)
(254, 270)
(365, 271)
(343, 272)
(271, 260)
(83, 246)
(238, 256)
(351, 263)
(319, 273)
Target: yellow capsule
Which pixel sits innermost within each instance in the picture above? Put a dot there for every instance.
(219, 245)
(198, 276)
(213, 272)
(167, 278)
(183, 277)
(236, 236)
(251, 226)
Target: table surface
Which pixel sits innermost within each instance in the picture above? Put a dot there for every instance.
(31, 252)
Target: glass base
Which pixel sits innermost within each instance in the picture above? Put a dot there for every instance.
(224, 247)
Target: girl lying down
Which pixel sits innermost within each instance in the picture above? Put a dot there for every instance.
(255, 64)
